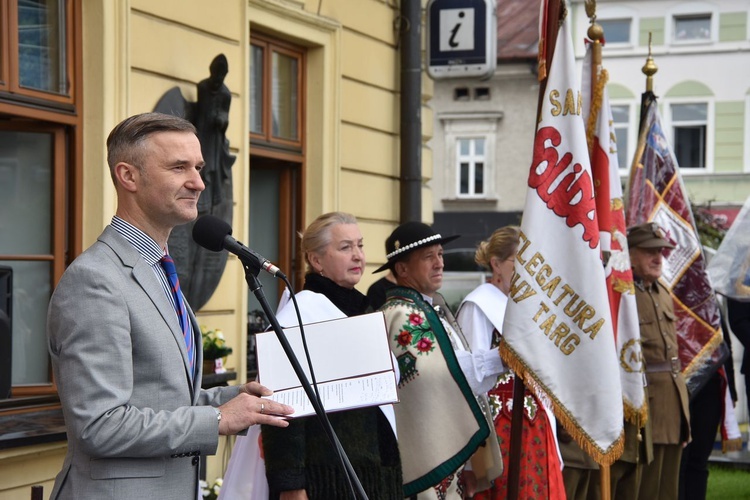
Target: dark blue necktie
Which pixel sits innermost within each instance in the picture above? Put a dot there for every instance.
(168, 265)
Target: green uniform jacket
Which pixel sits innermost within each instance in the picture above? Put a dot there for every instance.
(667, 393)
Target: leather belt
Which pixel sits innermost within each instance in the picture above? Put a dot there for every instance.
(673, 366)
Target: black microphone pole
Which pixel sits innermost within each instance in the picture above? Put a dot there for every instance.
(251, 276)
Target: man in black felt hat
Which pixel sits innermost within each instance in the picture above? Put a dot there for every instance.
(668, 419)
(440, 421)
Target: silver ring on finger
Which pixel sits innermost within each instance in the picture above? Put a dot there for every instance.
(262, 407)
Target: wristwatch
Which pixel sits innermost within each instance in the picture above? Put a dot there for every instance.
(218, 413)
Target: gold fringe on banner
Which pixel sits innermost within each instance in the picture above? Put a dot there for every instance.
(597, 96)
(541, 60)
(515, 363)
(636, 416)
(698, 360)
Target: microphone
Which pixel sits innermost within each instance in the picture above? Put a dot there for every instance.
(213, 233)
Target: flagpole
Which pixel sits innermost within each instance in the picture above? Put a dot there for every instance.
(547, 46)
(595, 33)
(649, 69)
(516, 428)
(553, 12)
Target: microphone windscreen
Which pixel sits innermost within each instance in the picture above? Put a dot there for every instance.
(209, 232)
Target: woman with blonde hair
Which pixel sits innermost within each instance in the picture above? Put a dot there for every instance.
(301, 463)
(481, 316)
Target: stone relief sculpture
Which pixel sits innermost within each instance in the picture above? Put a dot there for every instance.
(199, 269)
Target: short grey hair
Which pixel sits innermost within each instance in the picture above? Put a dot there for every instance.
(125, 142)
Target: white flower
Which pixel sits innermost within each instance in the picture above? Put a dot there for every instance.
(219, 335)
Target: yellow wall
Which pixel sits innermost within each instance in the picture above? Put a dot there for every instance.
(353, 155)
(21, 468)
(135, 50)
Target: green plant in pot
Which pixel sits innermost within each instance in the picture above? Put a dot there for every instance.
(215, 349)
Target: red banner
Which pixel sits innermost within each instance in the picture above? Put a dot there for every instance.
(657, 194)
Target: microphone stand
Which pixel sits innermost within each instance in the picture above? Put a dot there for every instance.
(251, 276)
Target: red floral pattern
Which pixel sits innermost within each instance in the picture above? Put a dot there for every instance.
(424, 345)
(415, 338)
(416, 333)
(441, 489)
(404, 338)
(540, 476)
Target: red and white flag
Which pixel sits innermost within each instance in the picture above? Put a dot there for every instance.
(600, 135)
(558, 332)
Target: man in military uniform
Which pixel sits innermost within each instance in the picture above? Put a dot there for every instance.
(667, 394)
(626, 473)
(581, 472)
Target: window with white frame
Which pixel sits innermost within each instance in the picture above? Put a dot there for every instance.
(468, 157)
(696, 27)
(620, 25)
(689, 130)
(616, 31)
(470, 166)
(621, 124)
(692, 23)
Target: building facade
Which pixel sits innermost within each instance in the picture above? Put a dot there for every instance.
(483, 134)
(313, 122)
(701, 50)
(484, 129)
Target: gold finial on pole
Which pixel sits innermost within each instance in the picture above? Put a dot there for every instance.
(595, 32)
(596, 35)
(590, 8)
(649, 69)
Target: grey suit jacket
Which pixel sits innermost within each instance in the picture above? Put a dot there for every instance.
(135, 422)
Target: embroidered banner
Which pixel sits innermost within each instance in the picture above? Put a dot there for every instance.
(656, 193)
(558, 331)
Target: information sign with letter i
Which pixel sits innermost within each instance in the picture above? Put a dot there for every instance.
(461, 38)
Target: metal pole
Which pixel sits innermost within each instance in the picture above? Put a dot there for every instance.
(411, 112)
(596, 35)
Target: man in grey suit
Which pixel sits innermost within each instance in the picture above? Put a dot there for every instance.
(125, 345)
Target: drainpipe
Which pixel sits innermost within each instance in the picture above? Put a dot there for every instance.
(411, 111)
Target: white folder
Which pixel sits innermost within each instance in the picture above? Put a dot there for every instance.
(351, 359)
